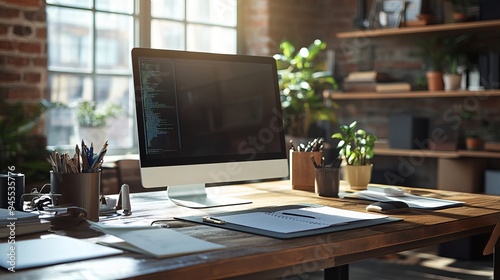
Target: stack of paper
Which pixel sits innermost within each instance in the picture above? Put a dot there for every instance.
(20, 223)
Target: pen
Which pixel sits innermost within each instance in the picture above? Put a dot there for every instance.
(213, 220)
(298, 215)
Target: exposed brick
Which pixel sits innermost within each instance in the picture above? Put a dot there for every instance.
(38, 16)
(22, 30)
(9, 77)
(4, 29)
(39, 61)
(17, 61)
(6, 45)
(41, 33)
(32, 77)
(25, 3)
(31, 47)
(23, 93)
(6, 13)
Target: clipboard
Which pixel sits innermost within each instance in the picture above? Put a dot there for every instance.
(279, 235)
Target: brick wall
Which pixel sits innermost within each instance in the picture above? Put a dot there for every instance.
(23, 52)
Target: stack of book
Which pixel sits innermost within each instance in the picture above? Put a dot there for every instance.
(15, 223)
(373, 81)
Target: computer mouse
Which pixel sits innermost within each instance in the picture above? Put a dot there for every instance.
(387, 207)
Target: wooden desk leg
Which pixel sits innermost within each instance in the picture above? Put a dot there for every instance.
(337, 273)
(496, 262)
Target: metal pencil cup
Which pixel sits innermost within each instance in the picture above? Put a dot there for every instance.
(78, 189)
(302, 170)
(327, 181)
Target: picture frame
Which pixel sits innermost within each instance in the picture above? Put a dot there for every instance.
(413, 9)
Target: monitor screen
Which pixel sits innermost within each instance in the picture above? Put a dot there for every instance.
(207, 118)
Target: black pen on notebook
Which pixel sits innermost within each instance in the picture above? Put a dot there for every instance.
(213, 220)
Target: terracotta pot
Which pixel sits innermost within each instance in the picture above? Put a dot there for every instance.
(358, 177)
(473, 143)
(434, 80)
(452, 81)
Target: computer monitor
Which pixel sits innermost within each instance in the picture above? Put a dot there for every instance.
(206, 118)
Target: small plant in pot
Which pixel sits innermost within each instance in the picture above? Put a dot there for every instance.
(357, 148)
(301, 83)
(93, 121)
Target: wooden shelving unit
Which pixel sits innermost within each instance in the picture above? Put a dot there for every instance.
(407, 95)
(437, 154)
(475, 26)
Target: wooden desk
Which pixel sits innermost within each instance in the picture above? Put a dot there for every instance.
(257, 257)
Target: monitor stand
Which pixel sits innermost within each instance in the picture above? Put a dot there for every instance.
(195, 196)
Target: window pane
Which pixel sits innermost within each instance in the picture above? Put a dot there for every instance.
(69, 38)
(116, 90)
(114, 35)
(220, 12)
(67, 89)
(167, 35)
(116, 6)
(171, 9)
(72, 3)
(211, 39)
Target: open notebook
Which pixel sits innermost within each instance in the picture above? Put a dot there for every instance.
(291, 221)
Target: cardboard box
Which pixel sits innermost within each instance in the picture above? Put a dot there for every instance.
(461, 174)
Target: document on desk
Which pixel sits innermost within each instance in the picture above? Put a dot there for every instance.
(413, 201)
(153, 241)
(50, 250)
(296, 220)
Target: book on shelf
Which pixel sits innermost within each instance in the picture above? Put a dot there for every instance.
(370, 86)
(367, 76)
(492, 146)
(393, 87)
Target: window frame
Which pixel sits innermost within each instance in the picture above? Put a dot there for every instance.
(141, 36)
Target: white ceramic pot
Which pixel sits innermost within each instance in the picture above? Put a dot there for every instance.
(95, 135)
(451, 81)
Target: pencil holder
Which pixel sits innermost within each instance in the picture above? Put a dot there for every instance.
(327, 181)
(78, 189)
(302, 170)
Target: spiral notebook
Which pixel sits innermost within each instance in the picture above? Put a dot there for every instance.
(291, 221)
(296, 220)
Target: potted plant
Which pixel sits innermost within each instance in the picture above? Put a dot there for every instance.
(473, 141)
(93, 121)
(357, 148)
(433, 52)
(436, 52)
(301, 86)
(21, 145)
(452, 78)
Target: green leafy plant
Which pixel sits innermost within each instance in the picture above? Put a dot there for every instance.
(301, 85)
(20, 145)
(438, 52)
(88, 115)
(356, 146)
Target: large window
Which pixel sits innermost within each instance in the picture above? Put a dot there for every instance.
(89, 45)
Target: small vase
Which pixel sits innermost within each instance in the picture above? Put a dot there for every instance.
(452, 81)
(434, 80)
(358, 177)
(95, 135)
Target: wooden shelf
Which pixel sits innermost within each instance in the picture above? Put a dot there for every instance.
(412, 94)
(437, 154)
(464, 27)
